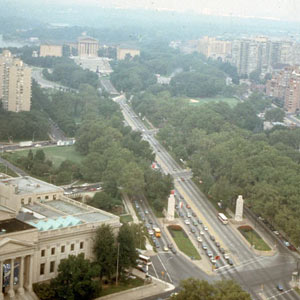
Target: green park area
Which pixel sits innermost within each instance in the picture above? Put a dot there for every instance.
(254, 238)
(56, 154)
(122, 286)
(200, 101)
(183, 242)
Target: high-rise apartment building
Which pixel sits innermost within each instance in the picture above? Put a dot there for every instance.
(292, 95)
(15, 83)
(276, 87)
(213, 48)
(285, 85)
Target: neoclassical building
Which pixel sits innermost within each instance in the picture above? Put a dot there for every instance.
(39, 227)
(87, 46)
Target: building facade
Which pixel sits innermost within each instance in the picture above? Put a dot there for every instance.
(87, 47)
(15, 83)
(292, 94)
(122, 53)
(213, 48)
(51, 50)
(39, 227)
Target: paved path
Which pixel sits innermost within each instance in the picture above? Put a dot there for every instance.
(15, 169)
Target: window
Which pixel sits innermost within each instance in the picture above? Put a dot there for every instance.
(29, 200)
(22, 201)
(52, 266)
(42, 269)
(46, 197)
(43, 253)
(81, 245)
(52, 251)
(72, 247)
(54, 197)
(62, 249)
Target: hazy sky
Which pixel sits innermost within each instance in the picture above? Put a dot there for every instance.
(281, 9)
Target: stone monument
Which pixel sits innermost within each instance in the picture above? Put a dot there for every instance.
(171, 206)
(239, 209)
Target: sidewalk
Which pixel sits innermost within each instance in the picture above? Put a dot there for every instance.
(155, 288)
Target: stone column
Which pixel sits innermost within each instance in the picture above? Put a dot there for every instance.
(21, 277)
(29, 273)
(11, 291)
(1, 280)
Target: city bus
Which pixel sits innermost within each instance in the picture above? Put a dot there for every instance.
(223, 218)
(145, 259)
(157, 232)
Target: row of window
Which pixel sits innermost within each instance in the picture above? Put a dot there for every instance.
(51, 269)
(62, 249)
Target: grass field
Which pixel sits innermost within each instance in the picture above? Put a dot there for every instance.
(7, 171)
(254, 238)
(56, 154)
(183, 243)
(230, 101)
(122, 286)
(126, 219)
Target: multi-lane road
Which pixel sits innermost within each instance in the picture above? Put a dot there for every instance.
(258, 274)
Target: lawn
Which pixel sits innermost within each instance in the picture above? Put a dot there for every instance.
(183, 242)
(126, 219)
(230, 101)
(254, 238)
(56, 154)
(7, 171)
(122, 286)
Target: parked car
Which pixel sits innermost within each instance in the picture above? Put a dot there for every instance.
(204, 246)
(279, 287)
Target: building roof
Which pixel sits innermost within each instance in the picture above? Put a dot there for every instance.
(86, 38)
(51, 224)
(56, 214)
(13, 225)
(29, 185)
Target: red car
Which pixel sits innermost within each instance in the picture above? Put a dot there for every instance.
(187, 206)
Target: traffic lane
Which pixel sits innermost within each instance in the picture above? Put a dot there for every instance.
(229, 236)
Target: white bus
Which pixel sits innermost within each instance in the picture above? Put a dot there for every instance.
(223, 218)
(145, 259)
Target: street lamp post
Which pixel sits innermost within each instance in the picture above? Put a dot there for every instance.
(118, 264)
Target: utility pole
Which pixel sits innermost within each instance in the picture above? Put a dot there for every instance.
(118, 264)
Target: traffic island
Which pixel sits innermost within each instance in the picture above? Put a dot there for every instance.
(183, 242)
(253, 238)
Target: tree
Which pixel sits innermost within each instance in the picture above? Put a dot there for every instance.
(105, 251)
(127, 251)
(194, 289)
(74, 280)
(275, 115)
(40, 155)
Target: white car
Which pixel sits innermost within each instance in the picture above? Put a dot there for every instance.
(201, 232)
(226, 256)
(212, 259)
(199, 239)
(151, 232)
(187, 222)
(189, 215)
(205, 228)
